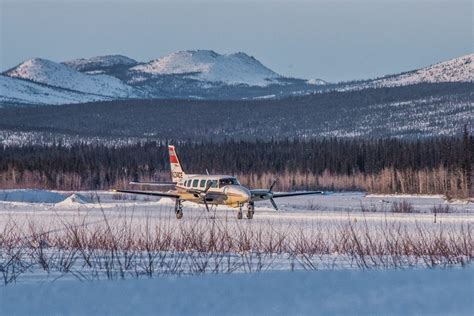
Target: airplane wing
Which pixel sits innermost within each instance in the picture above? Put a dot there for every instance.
(261, 195)
(163, 194)
(157, 184)
(278, 195)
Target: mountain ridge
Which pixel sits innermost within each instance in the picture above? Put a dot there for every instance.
(201, 74)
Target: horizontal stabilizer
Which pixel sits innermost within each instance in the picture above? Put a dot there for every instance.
(162, 194)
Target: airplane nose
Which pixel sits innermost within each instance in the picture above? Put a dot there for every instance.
(245, 194)
(241, 194)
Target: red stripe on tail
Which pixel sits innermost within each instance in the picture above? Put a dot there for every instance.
(173, 159)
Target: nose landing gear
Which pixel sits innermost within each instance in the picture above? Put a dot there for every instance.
(250, 211)
(239, 213)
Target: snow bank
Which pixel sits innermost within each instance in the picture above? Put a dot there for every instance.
(30, 196)
(346, 292)
(73, 200)
(407, 196)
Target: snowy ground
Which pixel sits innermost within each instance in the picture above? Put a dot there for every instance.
(53, 209)
(41, 206)
(326, 283)
(347, 292)
(346, 202)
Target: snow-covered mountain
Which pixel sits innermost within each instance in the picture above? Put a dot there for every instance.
(17, 91)
(61, 76)
(191, 74)
(209, 66)
(459, 69)
(99, 63)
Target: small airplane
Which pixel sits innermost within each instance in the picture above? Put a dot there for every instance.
(211, 190)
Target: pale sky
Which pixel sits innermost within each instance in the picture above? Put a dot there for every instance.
(332, 40)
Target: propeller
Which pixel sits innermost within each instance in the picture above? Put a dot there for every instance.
(204, 197)
(270, 191)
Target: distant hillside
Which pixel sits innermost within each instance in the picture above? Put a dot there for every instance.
(415, 111)
(14, 91)
(454, 70)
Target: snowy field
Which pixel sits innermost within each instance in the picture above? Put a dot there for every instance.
(335, 253)
(56, 207)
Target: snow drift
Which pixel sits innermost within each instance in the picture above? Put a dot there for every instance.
(73, 200)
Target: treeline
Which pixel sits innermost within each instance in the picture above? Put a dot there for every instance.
(427, 166)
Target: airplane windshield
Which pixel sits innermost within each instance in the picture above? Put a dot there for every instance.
(228, 181)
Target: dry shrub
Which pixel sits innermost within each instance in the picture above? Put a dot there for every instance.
(117, 248)
(402, 207)
(436, 209)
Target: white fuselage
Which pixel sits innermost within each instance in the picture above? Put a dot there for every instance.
(223, 190)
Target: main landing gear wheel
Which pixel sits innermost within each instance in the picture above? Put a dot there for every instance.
(240, 214)
(250, 210)
(178, 209)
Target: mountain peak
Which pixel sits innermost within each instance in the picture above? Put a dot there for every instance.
(60, 75)
(207, 65)
(35, 69)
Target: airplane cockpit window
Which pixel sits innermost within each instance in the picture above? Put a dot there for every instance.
(211, 183)
(228, 181)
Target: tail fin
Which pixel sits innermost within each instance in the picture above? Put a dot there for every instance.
(176, 170)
